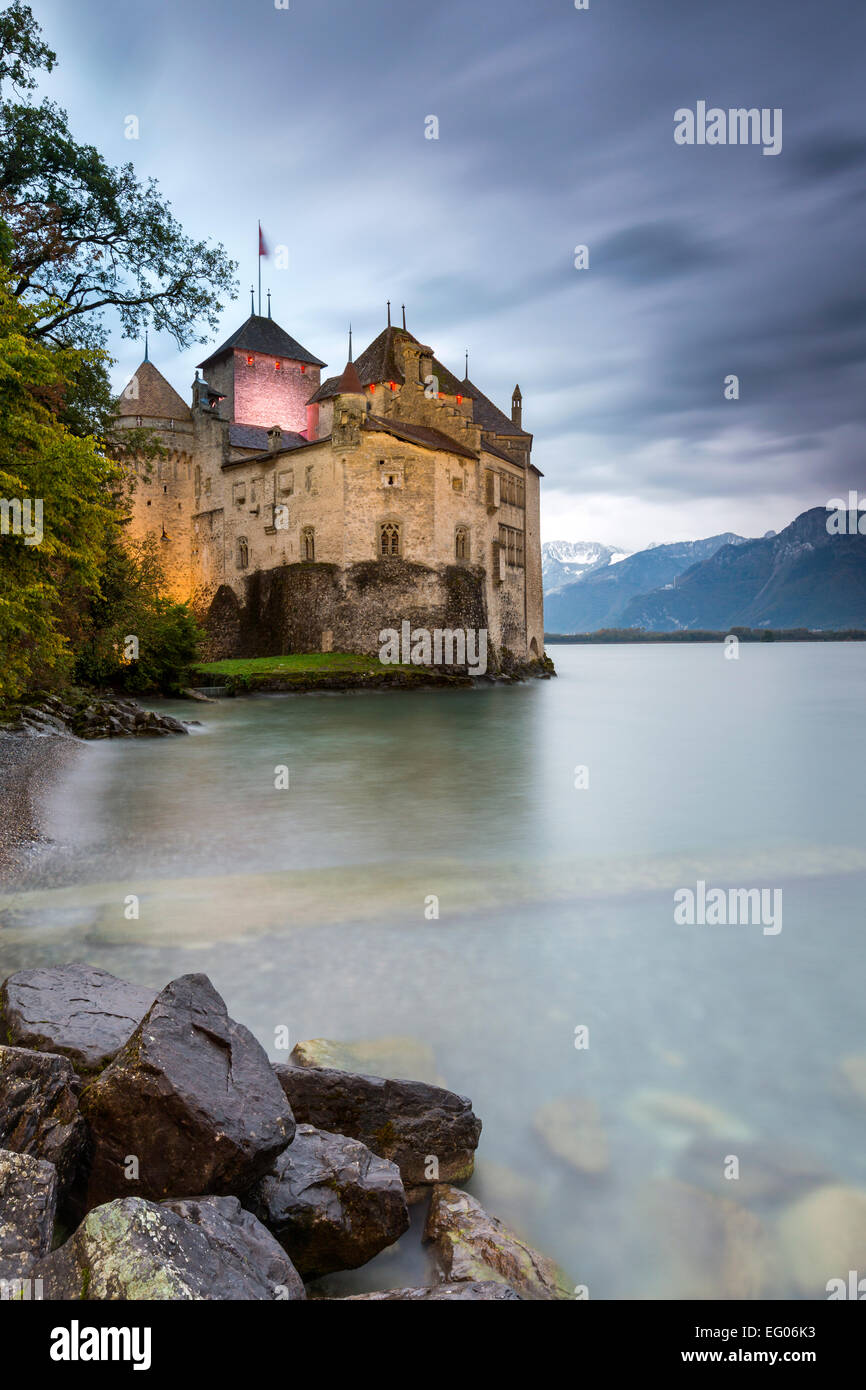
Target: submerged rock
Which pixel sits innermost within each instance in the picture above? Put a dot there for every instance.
(471, 1246)
(391, 1056)
(704, 1247)
(768, 1173)
(431, 1134)
(682, 1116)
(191, 1098)
(468, 1292)
(823, 1237)
(571, 1128)
(39, 1112)
(83, 1013)
(134, 1249)
(28, 1205)
(331, 1203)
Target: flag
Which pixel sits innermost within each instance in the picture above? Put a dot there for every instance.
(263, 250)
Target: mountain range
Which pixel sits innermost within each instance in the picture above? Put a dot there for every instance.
(802, 577)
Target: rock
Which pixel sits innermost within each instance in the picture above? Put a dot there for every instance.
(392, 1056)
(39, 1112)
(471, 1246)
(823, 1237)
(134, 1249)
(244, 1242)
(192, 1097)
(683, 1116)
(852, 1075)
(469, 1292)
(83, 1013)
(409, 1122)
(331, 1203)
(705, 1247)
(28, 1205)
(571, 1128)
(767, 1173)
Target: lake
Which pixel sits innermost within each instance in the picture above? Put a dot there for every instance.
(549, 825)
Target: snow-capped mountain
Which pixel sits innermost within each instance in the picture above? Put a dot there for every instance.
(564, 561)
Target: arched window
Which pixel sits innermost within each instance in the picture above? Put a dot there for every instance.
(461, 543)
(308, 543)
(197, 480)
(389, 539)
(243, 553)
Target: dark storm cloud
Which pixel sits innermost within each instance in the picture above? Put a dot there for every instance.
(556, 129)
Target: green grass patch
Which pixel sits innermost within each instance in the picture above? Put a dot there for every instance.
(298, 663)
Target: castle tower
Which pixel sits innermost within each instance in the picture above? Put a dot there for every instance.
(265, 378)
(517, 408)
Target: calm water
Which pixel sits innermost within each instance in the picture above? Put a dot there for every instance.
(306, 907)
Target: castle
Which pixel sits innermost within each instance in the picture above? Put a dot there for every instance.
(301, 514)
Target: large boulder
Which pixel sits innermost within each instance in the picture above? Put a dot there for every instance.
(191, 1098)
(134, 1249)
(28, 1205)
(39, 1110)
(472, 1246)
(431, 1134)
(331, 1203)
(83, 1013)
(469, 1292)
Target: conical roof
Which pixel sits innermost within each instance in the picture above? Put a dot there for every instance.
(148, 393)
(259, 334)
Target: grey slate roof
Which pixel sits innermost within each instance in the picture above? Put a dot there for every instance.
(256, 437)
(259, 334)
(488, 415)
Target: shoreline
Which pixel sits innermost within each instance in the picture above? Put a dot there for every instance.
(29, 768)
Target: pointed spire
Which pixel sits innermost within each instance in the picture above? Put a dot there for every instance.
(146, 349)
(351, 358)
(252, 299)
(466, 376)
(269, 304)
(404, 317)
(389, 313)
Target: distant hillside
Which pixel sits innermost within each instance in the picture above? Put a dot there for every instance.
(802, 577)
(564, 561)
(600, 596)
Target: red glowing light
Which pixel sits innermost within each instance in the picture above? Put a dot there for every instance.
(278, 366)
(250, 361)
(303, 368)
(372, 387)
(459, 400)
(393, 385)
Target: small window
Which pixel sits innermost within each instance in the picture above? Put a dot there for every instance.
(457, 482)
(250, 359)
(461, 543)
(308, 478)
(308, 543)
(287, 483)
(389, 539)
(243, 553)
(278, 366)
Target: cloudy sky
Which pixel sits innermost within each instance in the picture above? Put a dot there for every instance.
(556, 129)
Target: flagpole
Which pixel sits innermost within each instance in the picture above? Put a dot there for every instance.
(259, 248)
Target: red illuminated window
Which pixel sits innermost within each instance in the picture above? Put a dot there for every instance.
(278, 366)
(459, 400)
(372, 387)
(250, 360)
(393, 385)
(303, 368)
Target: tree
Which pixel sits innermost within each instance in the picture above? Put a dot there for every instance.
(56, 504)
(89, 237)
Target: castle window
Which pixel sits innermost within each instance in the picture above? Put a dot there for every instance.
(511, 545)
(250, 360)
(243, 553)
(389, 539)
(457, 482)
(308, 543)
(278, 366)
(197, 480)
(287, 483)
(461, 543)
(138, 421)
(308, 478)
